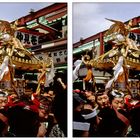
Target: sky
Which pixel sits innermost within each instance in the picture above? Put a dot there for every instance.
(89, 18)
(11, 11)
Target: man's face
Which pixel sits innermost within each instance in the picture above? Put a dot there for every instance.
(3, 102)
(118, 103)
(43, 114)
(103, 101)
(91, 98)
(88, 93)
(79, 108)
(50, 92)
(43, 111)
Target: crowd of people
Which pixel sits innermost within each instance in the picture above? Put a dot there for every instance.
(35, 115)
(105, 113)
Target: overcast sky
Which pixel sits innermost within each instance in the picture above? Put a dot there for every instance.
(11, 11)
(89, 18)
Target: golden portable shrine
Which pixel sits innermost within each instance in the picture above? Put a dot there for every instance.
(122, 61)
(14, 56)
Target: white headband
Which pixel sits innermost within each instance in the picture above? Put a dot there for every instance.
(81, 126)
(115, 95)
(3, 94)
(92, 114)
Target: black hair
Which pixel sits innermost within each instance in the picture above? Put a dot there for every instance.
(99, 92)
(23, 122)
(77, 100)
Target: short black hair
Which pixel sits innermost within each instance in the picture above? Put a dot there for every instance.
(99, 92)
(77, 100)
(23, 122)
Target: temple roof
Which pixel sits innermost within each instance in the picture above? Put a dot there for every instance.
(25, 61)
(108, 60)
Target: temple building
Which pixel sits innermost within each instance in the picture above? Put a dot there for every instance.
(44, 32)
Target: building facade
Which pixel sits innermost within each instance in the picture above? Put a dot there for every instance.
(44, 32)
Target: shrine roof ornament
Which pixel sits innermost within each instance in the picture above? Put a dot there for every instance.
(13, 55)
(12, 47)
(119, 27)
(122, 45)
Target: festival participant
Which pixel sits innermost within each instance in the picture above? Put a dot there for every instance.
(90, 114)
(50, 94)
(117, 99)
(88, 93)
(102, 99)
(23, 122)
(80, 125)
(12, 98)
(44, 107)
(3, 115)
(118, 103)
(3, 99)
(23, 118)
(109, 115)
(135, 121)
(59, 107)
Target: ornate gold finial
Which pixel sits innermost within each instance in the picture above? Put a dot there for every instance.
(119, 27)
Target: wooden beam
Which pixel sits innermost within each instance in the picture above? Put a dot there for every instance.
(41, 12)
(28, 31)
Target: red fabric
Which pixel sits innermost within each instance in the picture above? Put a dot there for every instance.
(122, 117)
(35, 100)
(127, 102)
(76, 91)
(22, 104)
(10, 101)
(137, 105)
(33, 107)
